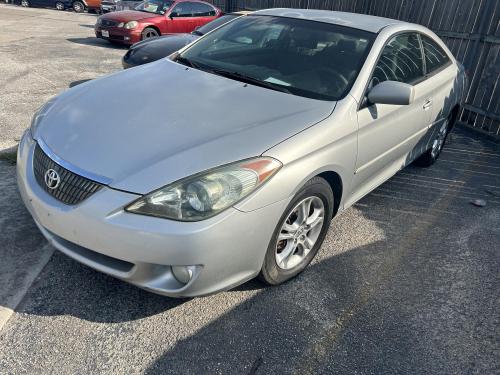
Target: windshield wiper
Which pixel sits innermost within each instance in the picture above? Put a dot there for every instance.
(187, 62)
(247, 79)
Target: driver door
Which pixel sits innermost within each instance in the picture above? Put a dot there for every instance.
(388, 133)
(181, 19)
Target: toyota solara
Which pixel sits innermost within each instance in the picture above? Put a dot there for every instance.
(229, 159)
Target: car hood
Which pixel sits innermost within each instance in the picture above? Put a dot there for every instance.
(127, 15)
(145, 127)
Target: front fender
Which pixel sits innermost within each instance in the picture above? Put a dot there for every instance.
(329, 146)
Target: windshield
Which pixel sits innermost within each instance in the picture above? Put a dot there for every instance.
(154, 6)
(215, 24)
(307, 58)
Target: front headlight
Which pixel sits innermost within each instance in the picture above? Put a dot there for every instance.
(131, 24)
(206, 194)
(39, 115)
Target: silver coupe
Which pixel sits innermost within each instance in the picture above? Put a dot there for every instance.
(229, 159)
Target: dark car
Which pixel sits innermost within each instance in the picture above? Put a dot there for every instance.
(153, 49)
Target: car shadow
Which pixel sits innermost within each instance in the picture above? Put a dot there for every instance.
(97, 42)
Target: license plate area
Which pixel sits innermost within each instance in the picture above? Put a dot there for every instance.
(105, 33)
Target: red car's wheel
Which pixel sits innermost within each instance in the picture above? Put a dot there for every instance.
(149, 33)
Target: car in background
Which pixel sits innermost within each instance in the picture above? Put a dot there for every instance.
(153, 18)
(78, 6)
(151, 50)
(114, 5)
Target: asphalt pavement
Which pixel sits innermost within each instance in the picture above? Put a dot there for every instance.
(407, 280)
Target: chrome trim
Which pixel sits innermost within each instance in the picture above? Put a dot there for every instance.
(70, 167)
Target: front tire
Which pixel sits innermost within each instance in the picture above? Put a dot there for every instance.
(149, 33)
(60, 6)
(25, 3)
(78, 7)
(300, 232)
(431, 155)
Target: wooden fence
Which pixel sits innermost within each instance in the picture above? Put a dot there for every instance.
(470, 28)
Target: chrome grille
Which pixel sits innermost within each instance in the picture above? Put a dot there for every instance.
(72, 188)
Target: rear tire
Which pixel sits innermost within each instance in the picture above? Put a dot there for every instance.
(78, 7)
(149, 32)
(25, 3)
(300, 232)
(431, 155)
(60, 6)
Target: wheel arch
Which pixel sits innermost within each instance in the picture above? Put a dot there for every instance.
(454, 113)
(152, 26)
(335, 182)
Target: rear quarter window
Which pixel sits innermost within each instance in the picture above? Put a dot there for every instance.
(435, 56)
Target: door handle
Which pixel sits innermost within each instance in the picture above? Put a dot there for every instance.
(427, 105)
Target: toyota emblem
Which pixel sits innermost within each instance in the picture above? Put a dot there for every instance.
(52, 179)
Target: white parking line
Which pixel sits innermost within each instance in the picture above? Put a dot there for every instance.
(22, 288)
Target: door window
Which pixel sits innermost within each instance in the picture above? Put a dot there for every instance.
(183, 9)
(435, 57)
(401, 61)
(203, 10)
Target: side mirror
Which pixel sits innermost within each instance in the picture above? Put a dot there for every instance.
(391, 92)
(173, 14)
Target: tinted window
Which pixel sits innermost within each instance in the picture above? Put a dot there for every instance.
(183, 10)
(215, 23)
(307, 58)
(202, 10)
(435, 57)
(401, 60)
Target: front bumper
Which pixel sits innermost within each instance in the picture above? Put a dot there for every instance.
(226, 250)
(119, 34)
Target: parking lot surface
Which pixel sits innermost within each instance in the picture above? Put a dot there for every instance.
(42, 52)
(406, 282)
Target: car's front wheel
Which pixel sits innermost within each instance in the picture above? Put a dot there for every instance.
(299, 233)
(60, 5)
(78, 6)
(25, 3)
(149, 33)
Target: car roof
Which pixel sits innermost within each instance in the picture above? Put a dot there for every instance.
(359, 21)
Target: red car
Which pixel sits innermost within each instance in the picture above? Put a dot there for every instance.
(153, 18)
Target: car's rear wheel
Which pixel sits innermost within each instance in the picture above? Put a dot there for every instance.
(25, 3)
(60, 5)
(149, 33)
(432, 154)
(78, 6)
(299, 233)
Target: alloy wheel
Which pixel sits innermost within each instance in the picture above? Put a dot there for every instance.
(299, 232)
(149, 33)
(438, 143)
(78, 7)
